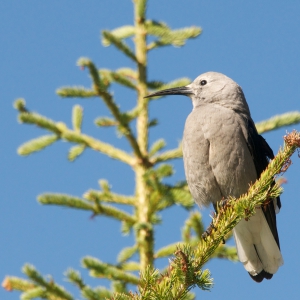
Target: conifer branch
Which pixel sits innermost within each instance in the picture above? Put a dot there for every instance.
(131, 266)
(37, 144)
(278, 121)
(77, 116)
(226, 252)
(155, 85)
(54, 290)
(167, 37)
(157, 146)
(110, 103)
(145, 234)
(168, 250)
(97, 145)
(163, 196)
(167, 155)
(11, 283)
(75, 91)
(38, 120)
(96, 208)
(75, 152)
(100, 269)
(118, 43)
(75, 278)
(62, 131)
(121, 33)
(20, 105)
(128, 72)
(93, 195)
(194, 222)
(105, 122)
(65, 200)
(141, 9)
(127, 253)
(118, 77)
(98, 85)
(99, 293)
(128, 116)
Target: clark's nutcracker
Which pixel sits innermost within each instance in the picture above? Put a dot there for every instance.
(223, 154)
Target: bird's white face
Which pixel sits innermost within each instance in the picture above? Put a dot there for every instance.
(216, 88)
(211, 88)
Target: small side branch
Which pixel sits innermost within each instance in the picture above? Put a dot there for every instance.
(78, 203)
(94, 195)
(278, 121)
(101, 91)
(167, 155)
(100, 269)
(62, 131)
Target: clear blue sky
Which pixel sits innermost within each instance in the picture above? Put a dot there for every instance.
(257, 43)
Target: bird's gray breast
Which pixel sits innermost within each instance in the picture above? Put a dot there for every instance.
(217, 160)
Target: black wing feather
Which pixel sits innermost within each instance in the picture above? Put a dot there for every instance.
(261, 153)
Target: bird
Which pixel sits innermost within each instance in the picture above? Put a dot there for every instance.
(223, 154)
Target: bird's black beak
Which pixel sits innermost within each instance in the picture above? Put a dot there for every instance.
(182, 90)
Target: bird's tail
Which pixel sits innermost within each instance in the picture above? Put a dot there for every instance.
(257, 248)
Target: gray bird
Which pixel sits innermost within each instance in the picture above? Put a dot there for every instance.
(223, 154)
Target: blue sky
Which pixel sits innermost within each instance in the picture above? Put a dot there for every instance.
(256, 43)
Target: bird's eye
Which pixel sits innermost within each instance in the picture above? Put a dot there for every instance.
(203, 82)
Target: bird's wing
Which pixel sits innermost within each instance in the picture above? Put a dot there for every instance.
(261, 153)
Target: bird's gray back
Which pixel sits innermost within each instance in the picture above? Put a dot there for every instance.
(217, 160)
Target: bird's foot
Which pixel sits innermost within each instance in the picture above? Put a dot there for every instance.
(208, 231)
(223, 203)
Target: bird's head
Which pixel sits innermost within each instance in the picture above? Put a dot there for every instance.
(211, 87)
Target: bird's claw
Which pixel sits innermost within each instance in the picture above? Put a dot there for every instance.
(208, 231)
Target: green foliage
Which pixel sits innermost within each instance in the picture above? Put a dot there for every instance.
(194, 222)
(37, 144)
(99, 293)
(118, 43)
(37, 292)
(65, 200)
(127, 253)
(77, 116)
(76, 91)
(157, 146)
(39, 120)
(76, 151)
(278, 121)
(19, 105)
(74, 277)
(118, 77)
(104, 121)
(166, 36)
(100, 269)
(49, 286)
(120, 33)
(141, 8)
(99, 86)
